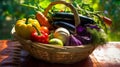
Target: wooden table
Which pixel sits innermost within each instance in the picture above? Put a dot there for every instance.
(11, 55)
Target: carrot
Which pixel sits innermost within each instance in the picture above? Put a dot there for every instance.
(107, 20)
(42, 19)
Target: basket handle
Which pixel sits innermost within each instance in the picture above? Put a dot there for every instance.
(76, 17)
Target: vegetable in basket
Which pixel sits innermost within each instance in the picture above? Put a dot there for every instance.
(62, 34)
(63, 24)
(83, 35)
(42, 19)
(39, 36)
(91, 34)
(56, 41)
(68, 17)
(45, 29)
(82, 31)
(98, 36)
(73, 41)
(84, 39)
(24, 27)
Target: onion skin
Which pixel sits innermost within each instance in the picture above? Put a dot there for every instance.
(84, 39)
(62, 34)
(73, 41)
(81, 30)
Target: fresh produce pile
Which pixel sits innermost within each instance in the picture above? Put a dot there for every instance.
(59, 29)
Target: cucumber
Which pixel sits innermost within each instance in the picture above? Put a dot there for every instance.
(70, 18)
(66, 25)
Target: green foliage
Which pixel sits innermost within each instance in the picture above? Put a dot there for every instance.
(99, 37)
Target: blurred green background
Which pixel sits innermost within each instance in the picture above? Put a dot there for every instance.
(12, 10)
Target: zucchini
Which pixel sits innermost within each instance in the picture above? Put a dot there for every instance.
(66, 25)
(70, 18)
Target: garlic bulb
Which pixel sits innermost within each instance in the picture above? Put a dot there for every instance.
(62, 34)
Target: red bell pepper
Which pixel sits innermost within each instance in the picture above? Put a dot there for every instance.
(39, 36)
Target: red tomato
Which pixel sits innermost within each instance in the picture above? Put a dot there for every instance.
(45, 29)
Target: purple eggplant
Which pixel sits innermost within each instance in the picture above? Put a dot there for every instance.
(62, 16)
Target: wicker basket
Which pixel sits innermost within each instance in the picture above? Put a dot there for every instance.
(57, 54)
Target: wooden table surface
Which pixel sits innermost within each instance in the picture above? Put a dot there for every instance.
(11, 55)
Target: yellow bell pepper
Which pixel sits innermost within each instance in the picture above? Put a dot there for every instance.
(24, 27)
